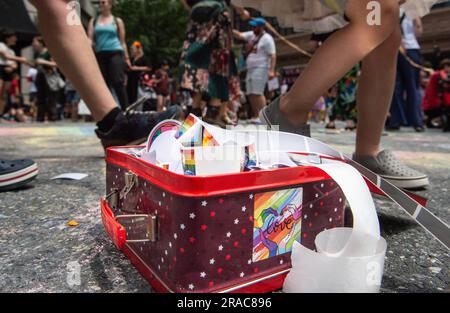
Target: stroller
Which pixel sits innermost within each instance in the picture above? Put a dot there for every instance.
(146, 90)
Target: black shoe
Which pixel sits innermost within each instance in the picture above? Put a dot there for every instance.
(133, 127)
(392, 128)
(419, 129)
(17, 173)
(213, 116)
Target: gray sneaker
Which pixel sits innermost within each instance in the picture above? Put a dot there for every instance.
(272, 117)
(390, 168)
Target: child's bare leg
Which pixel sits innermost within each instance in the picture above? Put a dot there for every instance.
(338, 55)
(375, 92)
(82, 70)
(2, 96)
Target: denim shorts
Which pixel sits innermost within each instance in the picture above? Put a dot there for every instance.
(72, 96)
(256, 80)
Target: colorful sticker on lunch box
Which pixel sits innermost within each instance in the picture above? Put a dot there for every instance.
(277, 222)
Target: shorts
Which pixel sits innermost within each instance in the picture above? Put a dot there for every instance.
(32, 97)
(72, 97)
(5, 76)
(256, 81)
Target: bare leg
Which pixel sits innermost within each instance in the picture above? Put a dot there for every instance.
(160, 103)
(376, 88)
(77, 62)
(2, 96)
(257, 102)
(338, 55)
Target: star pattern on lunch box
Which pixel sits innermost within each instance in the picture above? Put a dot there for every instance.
(207, 225)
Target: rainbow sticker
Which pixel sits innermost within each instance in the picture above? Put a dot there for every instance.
(208, 139)
(188, 123)
(162, 127)
(277, 222)
(188, 159)
(251, 158)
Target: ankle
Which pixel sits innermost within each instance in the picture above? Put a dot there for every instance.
(364, 153)
(288, 109)
(108, 121)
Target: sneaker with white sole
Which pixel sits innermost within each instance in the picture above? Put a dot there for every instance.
(394, 171)
(272, 117)
(16, 173)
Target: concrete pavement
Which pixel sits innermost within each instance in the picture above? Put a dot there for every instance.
(37, 246)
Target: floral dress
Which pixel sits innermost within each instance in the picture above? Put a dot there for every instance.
(207, 61)
(341, 99)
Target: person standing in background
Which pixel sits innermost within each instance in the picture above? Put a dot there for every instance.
(260, 63)
(436, 102)
(46, 97)
(8, 64)
(32, 95)
(107, 34)
(72, 101)
(139, 65)
(162, 86)
(207, 63)
(406, 106)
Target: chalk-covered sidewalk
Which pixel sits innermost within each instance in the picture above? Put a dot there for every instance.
(38, 248)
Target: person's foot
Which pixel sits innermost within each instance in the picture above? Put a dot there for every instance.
(330, 125)
(390, 168)
(272, 117)
(419, 129)
(392, 128)
(255, 121)
(350, 126)
(213, 116)
(17, 173)
(133, 127)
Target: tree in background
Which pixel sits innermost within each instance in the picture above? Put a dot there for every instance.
(160, 25)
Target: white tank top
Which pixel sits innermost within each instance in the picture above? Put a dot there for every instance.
(409, 36)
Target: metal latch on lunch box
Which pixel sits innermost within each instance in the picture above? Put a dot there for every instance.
(133, 220)
(151, 226)
(131, 180)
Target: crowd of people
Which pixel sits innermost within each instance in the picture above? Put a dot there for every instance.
(107, 76)
(214, 82)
